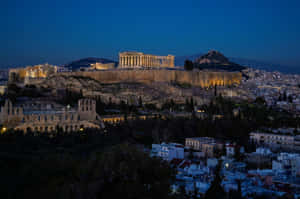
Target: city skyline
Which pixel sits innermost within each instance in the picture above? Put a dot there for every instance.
(59, 32)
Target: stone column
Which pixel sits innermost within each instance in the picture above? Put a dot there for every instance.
(146, 60)
(139, 61)
(136, 61)
(129, 60)
(141, 57)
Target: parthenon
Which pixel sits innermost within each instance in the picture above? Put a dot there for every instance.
(140, 60)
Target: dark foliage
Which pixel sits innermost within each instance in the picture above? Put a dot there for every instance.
(188, 65)
(79, 165)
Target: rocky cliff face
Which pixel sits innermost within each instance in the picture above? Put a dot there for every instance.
(193, 78)
(154, 86)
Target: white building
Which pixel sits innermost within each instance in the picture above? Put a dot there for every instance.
(168, 151)
(276, 140)
(263, 151)
(287, 163)
(230, 150)
(212, 162)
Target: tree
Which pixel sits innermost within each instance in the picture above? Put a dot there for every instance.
(128, 173)
(284, 98)
(260, 100)
(216, 190)
(215, 90)
(188, 65)
(140, 102)
(237, 153)
(182, 193)
(100, 106)
(290, 99)
(195, 192)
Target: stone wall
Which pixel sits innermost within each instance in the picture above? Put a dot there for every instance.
(194, 78)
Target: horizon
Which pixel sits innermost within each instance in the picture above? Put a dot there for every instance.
(266, 65)
(58, 33)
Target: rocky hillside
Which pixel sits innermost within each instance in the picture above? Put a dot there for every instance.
(154, 93)
(216, 61)
(213, 57)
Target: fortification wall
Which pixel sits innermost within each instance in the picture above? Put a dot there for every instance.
(194, 78)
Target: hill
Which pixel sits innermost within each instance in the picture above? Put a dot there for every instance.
(85, 62)
(262, 65)
(216, 61)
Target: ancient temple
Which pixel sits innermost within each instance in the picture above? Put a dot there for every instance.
(140, 60)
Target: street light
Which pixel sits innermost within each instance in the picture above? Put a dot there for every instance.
(4, 129)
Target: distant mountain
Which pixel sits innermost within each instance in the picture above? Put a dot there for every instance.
(179, 61)
(85, 62)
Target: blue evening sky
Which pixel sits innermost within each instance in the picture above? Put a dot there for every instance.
(60, 31)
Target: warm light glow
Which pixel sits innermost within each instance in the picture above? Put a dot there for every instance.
(81, 129)
(3, 130)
